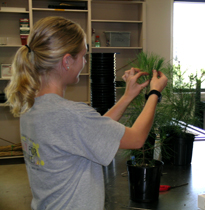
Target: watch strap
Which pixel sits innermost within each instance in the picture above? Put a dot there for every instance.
(156, 92)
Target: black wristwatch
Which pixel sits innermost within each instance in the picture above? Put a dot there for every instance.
(154, 92)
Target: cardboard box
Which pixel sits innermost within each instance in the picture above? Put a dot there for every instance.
(5, 70)
(117, 38)
(201, 201)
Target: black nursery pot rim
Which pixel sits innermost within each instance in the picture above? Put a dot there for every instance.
(158, 162)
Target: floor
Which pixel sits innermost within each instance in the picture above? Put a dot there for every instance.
(15, 192)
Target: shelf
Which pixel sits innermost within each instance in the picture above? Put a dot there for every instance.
(124, 48)
(11, 157)
(59, 10)
(5, 78)
(116, 21)
(24, 12)
(116, 2)
(2, 105)
(11, 45)
(117, 11)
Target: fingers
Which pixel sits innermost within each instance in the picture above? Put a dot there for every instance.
(124, 78)
(155, 73)
(131, 72)
(132, 69)
(126, 75)
(145, 84)
(162, 76)
(159, 81)
(158, 74)
(139, 74)
(135, 70)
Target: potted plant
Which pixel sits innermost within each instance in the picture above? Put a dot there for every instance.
(144, 172)
(180, 107)
(184, 108)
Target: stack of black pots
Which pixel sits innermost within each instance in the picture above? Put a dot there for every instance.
(103, 87)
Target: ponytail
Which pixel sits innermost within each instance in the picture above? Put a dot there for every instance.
(24, 83)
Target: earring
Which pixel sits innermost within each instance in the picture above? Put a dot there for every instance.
(67, 67)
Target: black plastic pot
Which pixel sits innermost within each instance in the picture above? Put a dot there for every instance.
(105, 72)
(102, 79)
(103, 62)
(102, 110)
(103, 104)
(2, 98)
(144, 182)
(103, 55)
(103, 75)
(178, 147)
(183, 147)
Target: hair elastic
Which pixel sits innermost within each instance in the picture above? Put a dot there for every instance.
(29, 49)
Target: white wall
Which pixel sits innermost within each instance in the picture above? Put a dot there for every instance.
(159, 27)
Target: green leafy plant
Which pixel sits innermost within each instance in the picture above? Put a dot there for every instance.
(182, 107)
(145, 62)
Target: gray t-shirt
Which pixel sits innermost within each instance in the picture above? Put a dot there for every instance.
(65, 144)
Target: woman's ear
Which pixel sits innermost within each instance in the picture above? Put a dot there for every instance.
(67, 61)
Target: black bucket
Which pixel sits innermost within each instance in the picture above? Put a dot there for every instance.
(183, 147)
(144, 182)
(177, 147)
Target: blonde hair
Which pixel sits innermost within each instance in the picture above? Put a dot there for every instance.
(50, 39)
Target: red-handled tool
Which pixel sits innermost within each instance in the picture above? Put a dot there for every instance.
(164, 188)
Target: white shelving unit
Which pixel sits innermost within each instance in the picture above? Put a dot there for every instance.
(100, 14)
(120, 16)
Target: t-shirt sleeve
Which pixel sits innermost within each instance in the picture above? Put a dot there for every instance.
(93, 136)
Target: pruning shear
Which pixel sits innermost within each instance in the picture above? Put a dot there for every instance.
(164, 188)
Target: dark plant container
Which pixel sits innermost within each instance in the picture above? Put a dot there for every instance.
(179, 147)
(102, 110)
(183, 147)
(2, 98)
(144, 182)
(101, 79)
(103, 75)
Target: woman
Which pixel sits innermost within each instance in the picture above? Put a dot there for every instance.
(65, 143)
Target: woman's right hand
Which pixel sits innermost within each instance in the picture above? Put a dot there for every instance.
(133, 88)
(158, 81)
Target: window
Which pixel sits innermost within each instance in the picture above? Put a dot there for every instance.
(189, 36)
